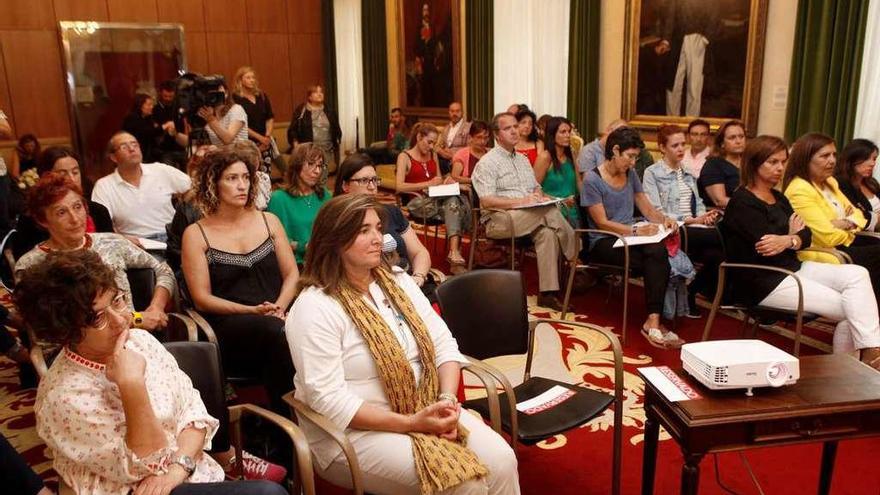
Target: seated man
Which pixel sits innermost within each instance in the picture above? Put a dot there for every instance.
(453, 136)
(138, 195)
(504, 179)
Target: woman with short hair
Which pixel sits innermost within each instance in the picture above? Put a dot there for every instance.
(376, 360)
(855, 177)
(303, 195)
(465, 159)
(313, 122)
(240, 271)
(761, 227)
(719, 176)
(116, 412)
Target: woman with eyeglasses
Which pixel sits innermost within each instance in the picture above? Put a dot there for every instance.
(298, 203)
(117, 413)
(357, 175)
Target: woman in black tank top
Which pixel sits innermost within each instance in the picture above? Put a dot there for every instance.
(241, 272)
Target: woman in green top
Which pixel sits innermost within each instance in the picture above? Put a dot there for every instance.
(555, 171)
(298, 203)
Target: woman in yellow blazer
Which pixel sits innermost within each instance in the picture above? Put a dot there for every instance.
(816, 197)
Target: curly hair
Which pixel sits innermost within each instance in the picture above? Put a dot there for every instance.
(55, 297)
(51, 188)
(302, 154)
(211, 169)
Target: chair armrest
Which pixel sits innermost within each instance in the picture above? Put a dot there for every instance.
(192, 331)
(508, 392)
(203, 325)
(842, 258)
(303, 411)
(491, 387)
(611, 234)
(864, 233)
(303, 461)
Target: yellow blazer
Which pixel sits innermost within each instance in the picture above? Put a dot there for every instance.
(809, 202)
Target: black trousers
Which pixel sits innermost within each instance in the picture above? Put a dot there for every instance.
(17, 476)
(865, 251)
(704, 246)
(255, 346)
(649, 260)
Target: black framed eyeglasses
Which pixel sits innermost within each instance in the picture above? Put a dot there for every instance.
(376, 181)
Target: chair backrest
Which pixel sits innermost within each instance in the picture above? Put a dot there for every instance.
(143, 283)
(486, 312)
(7, 261)
(201, 362)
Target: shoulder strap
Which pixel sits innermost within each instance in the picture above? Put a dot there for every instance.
(266, 223)
(205, 237)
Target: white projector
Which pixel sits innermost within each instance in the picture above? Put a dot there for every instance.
(745, 363)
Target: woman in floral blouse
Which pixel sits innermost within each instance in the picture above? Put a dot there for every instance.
(116, 412)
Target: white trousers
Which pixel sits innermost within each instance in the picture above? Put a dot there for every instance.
(690, 63)
(386, 460)
(842, 293)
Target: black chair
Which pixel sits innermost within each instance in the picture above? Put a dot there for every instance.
(201, 362)
(486, 312)
(7, 262)
(142, 282)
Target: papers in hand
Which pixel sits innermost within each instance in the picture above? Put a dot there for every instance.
(444, 190)
(549, 201)
(635, 240)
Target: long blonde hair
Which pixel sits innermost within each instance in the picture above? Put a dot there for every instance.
(239, 75)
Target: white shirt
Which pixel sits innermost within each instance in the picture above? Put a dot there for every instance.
(875, 213)
(141, 211)
(236, 113)
(335, 373)
(453, 131)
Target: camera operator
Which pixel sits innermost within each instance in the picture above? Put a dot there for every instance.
(226, 122)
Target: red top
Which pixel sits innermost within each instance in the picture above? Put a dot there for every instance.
(420, 171)
(531, 154)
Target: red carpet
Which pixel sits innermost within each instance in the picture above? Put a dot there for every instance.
(579, 462)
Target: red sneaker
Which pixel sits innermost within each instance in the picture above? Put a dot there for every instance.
(260, 469)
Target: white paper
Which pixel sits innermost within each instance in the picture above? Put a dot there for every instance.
(445, 190)
(663, 384)
(550, 201)
(635, 240)
(544, 398)
(151, 245)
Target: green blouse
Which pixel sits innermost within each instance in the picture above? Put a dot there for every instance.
(297, 214)
(563, 183)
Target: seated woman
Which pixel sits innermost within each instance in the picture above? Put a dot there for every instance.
(465, 159)
(529, 144)
(57, 205)
(761, 227)
(376, 360)
(554, 169)
(610, 193)
(116, 412)
(304, 194)
(815, 196)
(720, 174)
(417, 170)
(240, 271)
(855, 176)
(673, 190)
(357, 175)
(64, 161)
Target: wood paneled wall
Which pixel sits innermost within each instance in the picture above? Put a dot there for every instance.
(281, 39)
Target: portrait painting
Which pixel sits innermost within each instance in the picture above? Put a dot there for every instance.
(693, 58)
(429, 66)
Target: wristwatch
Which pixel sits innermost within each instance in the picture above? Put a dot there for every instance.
(137, 318)
(184, 461)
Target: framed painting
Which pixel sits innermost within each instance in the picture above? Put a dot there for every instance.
(691, 58)
(429, 56)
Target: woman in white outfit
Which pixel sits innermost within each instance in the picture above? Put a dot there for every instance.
(374, 358)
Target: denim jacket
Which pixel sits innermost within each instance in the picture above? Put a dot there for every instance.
(662, 189)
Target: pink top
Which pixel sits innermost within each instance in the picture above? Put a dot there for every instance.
(80, 417)
(420, 171)
(467, 159)
(694, 163)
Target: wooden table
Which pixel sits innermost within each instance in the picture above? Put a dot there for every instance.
(836, 398)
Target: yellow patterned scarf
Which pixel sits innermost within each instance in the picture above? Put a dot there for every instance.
(440, 463)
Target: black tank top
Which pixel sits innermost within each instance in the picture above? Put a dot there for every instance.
(249, 278)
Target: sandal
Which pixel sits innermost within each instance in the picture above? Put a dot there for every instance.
(657, 338)
(456, 260)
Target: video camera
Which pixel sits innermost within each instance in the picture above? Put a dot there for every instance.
(195, 91)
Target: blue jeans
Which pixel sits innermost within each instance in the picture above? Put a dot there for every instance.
(247, 487)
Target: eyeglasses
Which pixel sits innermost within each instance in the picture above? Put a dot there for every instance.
(375, 181)
(317, 164)
(118, 305)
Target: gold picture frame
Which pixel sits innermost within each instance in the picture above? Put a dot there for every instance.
(736, 55)
(429, 56)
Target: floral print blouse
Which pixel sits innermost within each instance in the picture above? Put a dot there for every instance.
(80, 417)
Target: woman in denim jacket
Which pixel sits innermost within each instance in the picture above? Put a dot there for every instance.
(673, 191)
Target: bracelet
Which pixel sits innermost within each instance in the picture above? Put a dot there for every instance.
(420, 275)
(447, 396)
(794, 241)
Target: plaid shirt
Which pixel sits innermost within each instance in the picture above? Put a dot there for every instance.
(504, 174)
